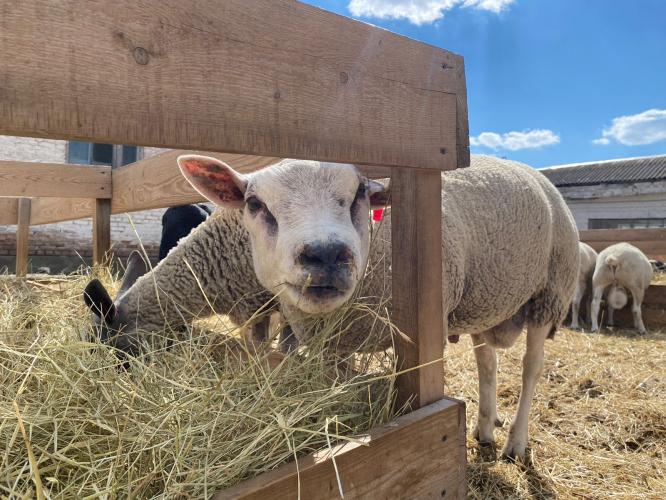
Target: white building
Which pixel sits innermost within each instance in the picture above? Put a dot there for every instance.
(614, 194)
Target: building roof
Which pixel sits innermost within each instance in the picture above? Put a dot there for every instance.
(621, 171)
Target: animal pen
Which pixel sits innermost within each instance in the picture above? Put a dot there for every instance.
(255, 81)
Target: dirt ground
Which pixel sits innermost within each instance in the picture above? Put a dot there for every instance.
(598, 421)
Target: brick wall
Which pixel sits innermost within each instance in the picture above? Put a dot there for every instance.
(75, 237)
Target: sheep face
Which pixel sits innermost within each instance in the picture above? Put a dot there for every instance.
(308, 224)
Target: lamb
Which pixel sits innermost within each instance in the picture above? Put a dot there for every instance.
(178, 222)
(588, 259)
(186, 285)
(620, 268)
(509, 245)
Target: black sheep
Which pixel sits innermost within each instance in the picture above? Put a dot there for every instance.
(178, 222)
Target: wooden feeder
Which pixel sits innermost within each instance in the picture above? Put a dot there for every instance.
(271, 79)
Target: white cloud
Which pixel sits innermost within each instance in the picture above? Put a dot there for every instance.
(419, 11)
(647, 127)
(513, 141)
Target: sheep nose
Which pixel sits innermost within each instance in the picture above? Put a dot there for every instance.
(324, 255)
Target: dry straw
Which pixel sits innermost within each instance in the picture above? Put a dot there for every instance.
(182, 422)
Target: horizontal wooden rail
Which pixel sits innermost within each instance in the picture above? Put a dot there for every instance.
(8, 211)
(651, 241)
(266, 77)
(32, 179)
(153, 182)
(416, 456)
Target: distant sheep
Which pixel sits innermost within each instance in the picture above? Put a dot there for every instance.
(620, 268)
(588, 260)
(178, 222)
(509, 246)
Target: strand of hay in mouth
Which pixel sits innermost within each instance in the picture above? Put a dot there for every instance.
(187, 421)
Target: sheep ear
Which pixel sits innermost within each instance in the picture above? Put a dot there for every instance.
(99, 301)
(215, 180)
(136, 267)
(379, 194)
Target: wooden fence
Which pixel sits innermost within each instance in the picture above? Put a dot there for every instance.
(651, 241)
(248, 77)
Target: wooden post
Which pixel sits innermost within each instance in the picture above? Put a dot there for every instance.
(22, 233)
(101, 230)
(417, 283)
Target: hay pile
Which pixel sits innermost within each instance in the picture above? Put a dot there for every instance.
(184, 422)
(598, 421)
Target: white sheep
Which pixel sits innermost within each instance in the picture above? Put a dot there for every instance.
(209, 272)
(620, 268)
(588, 259)
(509, 247)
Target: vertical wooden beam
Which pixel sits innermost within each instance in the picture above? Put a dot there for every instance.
(101, 230)
(22, 233)
(417, 282)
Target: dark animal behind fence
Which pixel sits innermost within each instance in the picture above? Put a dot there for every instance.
(178, 222)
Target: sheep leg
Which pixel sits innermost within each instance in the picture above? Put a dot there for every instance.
(575, 306)
(532, 366)
(288, 341)
(486, 363)
(637, 295)
(596, 303)
(609, 315)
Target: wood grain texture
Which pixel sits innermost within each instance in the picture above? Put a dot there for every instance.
(22, 237)
(267, 77)
(652, 242)
(101, 231)
(8, 211)
(56, 180)
(462, 122)
(416, 456)
(417, 283)
(156, 182)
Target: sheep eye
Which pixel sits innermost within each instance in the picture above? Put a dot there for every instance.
(253, 204)
(361, 190)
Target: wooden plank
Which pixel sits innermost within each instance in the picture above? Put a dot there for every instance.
(156, 182)
(417, 283)
(416, 456)
(22, 237)
(50, 210)
(8, 211)
(18, 178)
(617, 235)
(268, 77)
(654, 310)
(101, 231)
(462, 123)
(653, 249)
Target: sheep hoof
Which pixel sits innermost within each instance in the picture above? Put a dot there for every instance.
(514, 450)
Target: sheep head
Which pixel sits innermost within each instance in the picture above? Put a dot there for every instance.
(308, 224)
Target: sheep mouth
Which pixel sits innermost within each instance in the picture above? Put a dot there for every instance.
(319, 292)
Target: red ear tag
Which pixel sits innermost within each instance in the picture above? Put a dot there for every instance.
(377, 214)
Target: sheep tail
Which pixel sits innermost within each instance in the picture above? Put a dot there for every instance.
(612, 261)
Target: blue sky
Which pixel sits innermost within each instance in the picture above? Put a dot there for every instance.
(549, 81)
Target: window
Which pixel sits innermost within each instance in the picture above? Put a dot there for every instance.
(95, 153)
(626, 223)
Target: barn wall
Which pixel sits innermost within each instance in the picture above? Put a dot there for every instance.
(627, 207)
